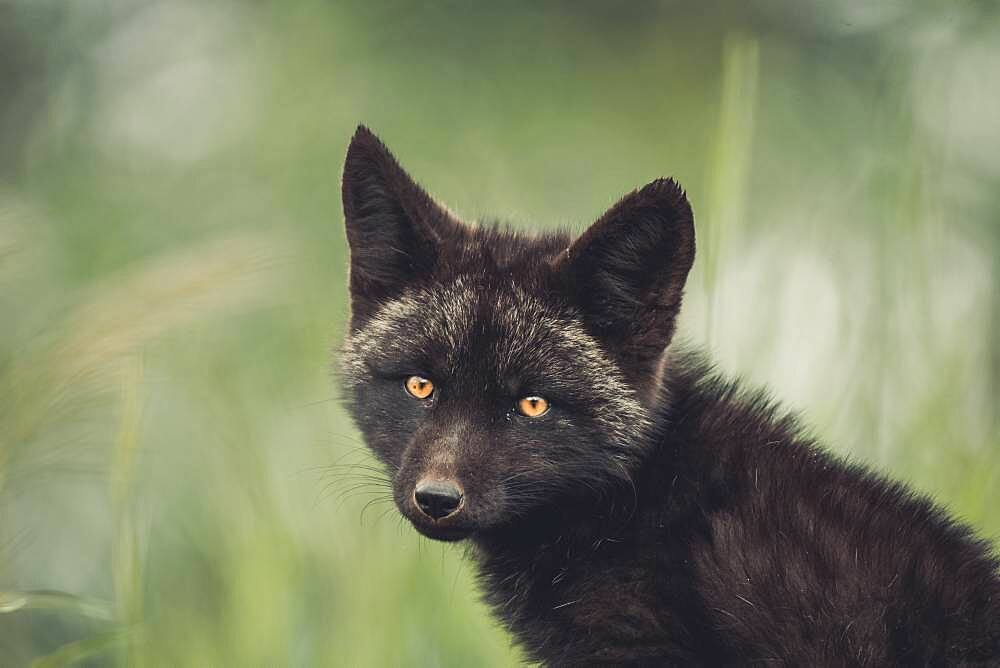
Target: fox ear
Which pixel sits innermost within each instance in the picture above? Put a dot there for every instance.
(394, 228)
(627, 271)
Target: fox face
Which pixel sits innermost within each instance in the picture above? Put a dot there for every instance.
(493, 372)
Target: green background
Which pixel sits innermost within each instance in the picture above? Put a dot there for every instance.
(176, 479)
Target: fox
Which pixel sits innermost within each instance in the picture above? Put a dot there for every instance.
(625, 502)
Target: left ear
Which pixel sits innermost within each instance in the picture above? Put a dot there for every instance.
(395, 231)
(627, 271)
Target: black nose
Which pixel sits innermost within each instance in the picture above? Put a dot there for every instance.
(437, 498)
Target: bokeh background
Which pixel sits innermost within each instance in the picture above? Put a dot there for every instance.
(177, 480)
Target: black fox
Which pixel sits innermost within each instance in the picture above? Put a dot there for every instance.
(625, 503)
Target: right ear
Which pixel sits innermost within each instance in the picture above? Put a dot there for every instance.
(394, 228)
(627, 272)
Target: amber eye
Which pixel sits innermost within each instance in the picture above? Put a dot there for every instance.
(532, 406)
(419, 387)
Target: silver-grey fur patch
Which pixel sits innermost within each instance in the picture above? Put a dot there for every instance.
(448, 315)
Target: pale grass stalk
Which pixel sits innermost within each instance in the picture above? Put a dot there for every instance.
(126, 559)
(729, 168)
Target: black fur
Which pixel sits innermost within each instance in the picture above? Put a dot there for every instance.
(656, 514)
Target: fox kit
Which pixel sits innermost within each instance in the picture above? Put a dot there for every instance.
(624, 503)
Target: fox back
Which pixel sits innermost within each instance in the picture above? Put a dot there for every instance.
(626, 503)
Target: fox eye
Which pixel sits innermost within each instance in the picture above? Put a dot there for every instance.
(419, 387)
(532, 406)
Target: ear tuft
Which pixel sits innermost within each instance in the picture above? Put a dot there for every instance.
(627, 271)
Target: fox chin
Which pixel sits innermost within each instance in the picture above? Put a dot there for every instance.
(626, 503)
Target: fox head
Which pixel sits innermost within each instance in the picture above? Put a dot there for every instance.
(490, 371)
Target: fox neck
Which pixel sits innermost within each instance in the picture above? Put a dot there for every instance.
(521, 564)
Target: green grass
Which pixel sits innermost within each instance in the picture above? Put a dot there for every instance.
(172, 279)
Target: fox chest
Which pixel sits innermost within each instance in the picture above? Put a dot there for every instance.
(600, 607)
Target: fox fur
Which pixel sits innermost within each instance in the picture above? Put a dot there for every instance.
(657, 513)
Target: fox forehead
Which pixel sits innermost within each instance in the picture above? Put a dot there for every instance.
(455, 317)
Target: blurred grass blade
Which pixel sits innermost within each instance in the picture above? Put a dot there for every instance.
(88, 648)
(729, 169)
(126, 559)
(219, 277)
(16, 601)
